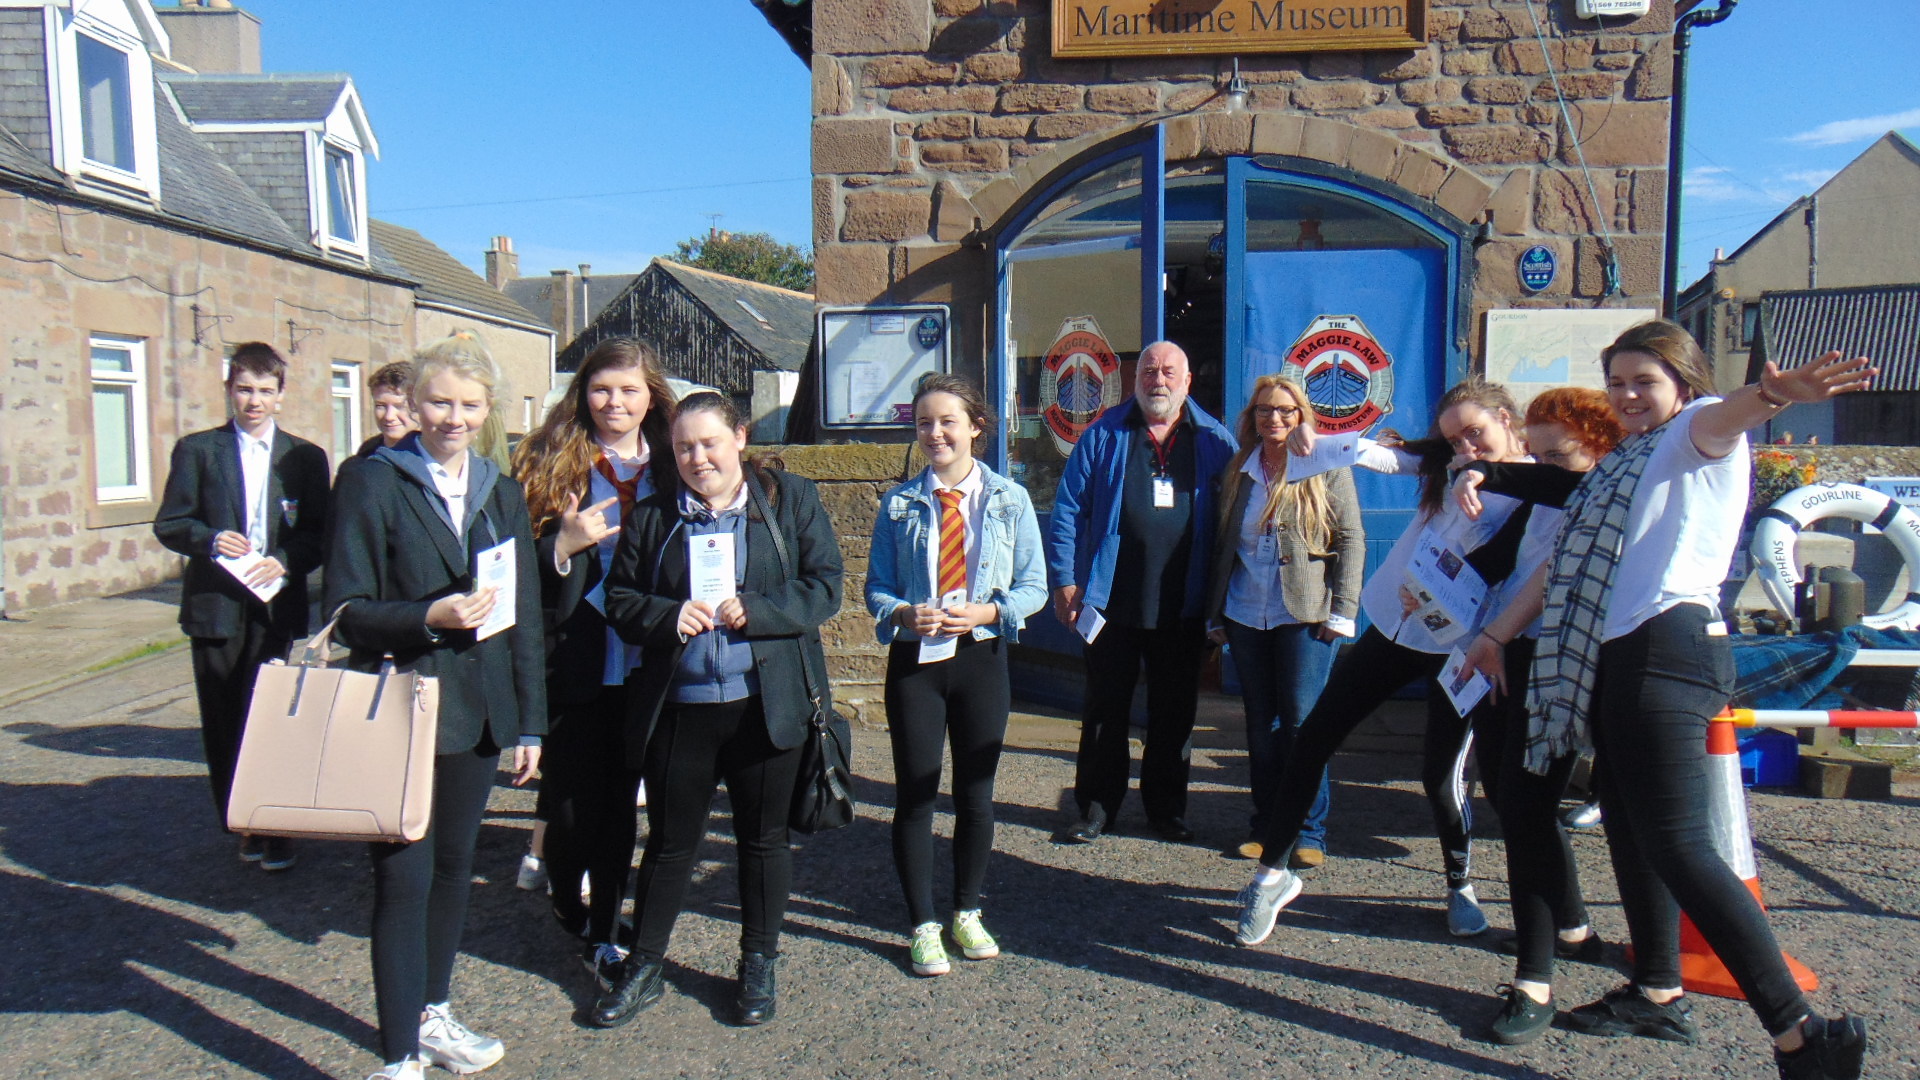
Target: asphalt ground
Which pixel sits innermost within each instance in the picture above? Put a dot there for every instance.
(138, 946)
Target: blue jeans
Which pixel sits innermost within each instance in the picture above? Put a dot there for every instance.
(1282, 672)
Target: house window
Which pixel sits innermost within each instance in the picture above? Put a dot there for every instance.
(342, 214)
(106, 104)
(121, 471)
(346, 410)
(1749, 324)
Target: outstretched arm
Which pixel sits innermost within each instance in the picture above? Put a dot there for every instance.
(1718, 428)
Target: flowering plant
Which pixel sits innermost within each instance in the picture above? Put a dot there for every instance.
(1775, 472)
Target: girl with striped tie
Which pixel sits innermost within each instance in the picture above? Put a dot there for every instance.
(955, 570)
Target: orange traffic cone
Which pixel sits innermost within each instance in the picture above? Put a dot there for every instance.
(1700, 970)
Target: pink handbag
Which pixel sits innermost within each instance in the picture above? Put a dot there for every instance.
(335, 754)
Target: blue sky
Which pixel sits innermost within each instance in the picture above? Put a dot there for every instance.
(501, 117)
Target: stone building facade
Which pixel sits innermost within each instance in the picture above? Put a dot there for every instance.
(934, 119)
(60, 541)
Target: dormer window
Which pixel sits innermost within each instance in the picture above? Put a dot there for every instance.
(101, 98)
(106, 104)
(343, 217)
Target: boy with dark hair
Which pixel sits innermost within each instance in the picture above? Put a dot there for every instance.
(392, 391)
(245, 489)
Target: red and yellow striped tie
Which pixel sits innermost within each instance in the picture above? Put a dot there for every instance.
(953, 543)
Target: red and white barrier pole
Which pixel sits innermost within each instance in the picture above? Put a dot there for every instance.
(1700, 970)
(1835, 718)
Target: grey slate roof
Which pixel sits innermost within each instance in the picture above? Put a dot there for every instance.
(256, 99)
(444, 279)
(535, 294)
(788, 330)
(1878, 321)
(197, 186)
(16, 158)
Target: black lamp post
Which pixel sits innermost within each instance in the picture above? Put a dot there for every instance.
(1677, 124)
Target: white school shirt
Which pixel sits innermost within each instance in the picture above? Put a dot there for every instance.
(1254, 597)
(453, 489)
(973, 488)
(1380, 596)
(1536, 547)
(1682, 528)
(620, 657)
(256, 461)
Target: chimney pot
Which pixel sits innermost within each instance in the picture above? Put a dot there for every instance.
(502, 264)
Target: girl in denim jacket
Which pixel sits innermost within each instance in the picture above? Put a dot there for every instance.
(955, 570)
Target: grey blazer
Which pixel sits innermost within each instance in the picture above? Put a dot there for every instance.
(1313, 586)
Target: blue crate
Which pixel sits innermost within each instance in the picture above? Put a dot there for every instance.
(1770, 759)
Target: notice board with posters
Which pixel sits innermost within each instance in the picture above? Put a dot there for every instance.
(871, 357)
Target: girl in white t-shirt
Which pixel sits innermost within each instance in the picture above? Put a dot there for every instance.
(1633, 648)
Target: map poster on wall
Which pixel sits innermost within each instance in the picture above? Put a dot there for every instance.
(1533, 350)
(871, 357)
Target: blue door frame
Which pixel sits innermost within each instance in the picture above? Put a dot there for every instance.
(1150, 145)
(1452, 235)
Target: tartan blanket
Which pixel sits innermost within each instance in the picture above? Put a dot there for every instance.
(1809, 671)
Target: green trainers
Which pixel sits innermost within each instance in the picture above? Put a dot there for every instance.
(973, 939)
(929, 955)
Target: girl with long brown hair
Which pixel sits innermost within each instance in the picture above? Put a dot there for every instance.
(1474, 420)
(587, 463)
(1287, 564)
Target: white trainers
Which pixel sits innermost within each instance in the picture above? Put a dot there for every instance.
(1260, 906)
(533, 873)
(448, 1043)
(410, 1069)
(1464, 917)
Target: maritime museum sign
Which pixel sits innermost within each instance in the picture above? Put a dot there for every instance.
(1169, 27)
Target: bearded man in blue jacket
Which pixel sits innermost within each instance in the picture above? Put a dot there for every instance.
(1131, 537)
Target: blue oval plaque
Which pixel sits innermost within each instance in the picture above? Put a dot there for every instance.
(1538, 267)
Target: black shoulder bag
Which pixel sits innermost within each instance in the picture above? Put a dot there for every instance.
(823, 790)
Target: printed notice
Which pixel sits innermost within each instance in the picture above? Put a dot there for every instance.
(1451, 593)
(1090, 623)
(1464, 685)
(710, 567)
(494, 570)
(937, 648)
(1329, 452)
(242, 566)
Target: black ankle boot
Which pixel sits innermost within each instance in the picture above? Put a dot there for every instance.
(755, 1004)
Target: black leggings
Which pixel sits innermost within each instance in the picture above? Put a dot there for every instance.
(1542, 878)
(1658, 687)
(964, 700)
(1363, 679)
(587, 792)
(420, 900)
(696, 747)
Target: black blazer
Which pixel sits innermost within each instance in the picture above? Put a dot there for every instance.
(576, 631)
(648, 583)
(392, 554)
(206, 495)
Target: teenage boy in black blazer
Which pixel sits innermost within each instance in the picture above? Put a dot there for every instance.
(243, 487)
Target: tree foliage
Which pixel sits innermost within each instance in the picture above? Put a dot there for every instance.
(753, 256)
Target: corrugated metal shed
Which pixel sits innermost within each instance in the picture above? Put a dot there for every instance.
(1877, 321)
(708, 327)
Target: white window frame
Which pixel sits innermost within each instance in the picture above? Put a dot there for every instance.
(350, 397)
(320, 223)
(135, 382)
(330, 152)
(65, 26)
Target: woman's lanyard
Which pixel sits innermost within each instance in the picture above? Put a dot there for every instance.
(1162, 479)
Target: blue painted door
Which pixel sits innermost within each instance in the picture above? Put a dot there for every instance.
(1398, 296)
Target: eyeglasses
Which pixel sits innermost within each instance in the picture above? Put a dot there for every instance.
(1268, 412)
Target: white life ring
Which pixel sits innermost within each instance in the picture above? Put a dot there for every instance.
(1778, 530)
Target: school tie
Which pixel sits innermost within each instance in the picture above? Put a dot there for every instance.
(257, 512)
(953, 543)
(625, 489)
